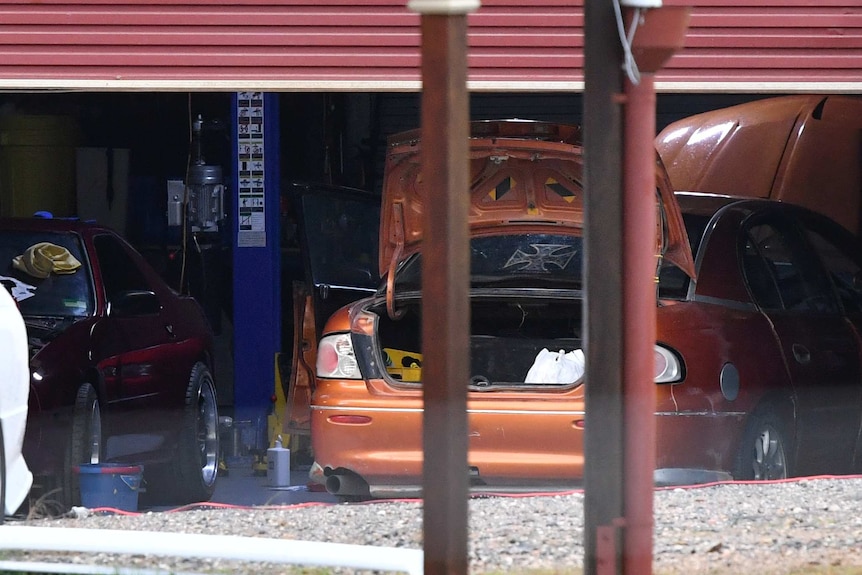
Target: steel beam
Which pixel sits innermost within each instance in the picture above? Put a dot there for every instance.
(604, 317)
(621, 311)
(445, 282)
(639, 323)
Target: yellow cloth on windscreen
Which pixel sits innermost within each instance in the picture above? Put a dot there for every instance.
(40, 260)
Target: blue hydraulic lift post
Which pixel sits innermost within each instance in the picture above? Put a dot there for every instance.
(254, 193)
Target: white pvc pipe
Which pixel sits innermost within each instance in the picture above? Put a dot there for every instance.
(77, 569)
(231, 547)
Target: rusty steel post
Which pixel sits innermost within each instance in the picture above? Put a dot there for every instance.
(445, 282)
(604, 477)
(661, 33)
(639, 328)
(623, 543)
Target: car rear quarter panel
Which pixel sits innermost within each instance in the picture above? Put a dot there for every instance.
(339, 321)
(699, 424)
(192, 329)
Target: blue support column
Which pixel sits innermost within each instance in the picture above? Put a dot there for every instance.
(256, 252)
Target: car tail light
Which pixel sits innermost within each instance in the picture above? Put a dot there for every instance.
(668, 368)
(335, 357)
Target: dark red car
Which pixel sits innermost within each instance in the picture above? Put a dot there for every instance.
(121, 364)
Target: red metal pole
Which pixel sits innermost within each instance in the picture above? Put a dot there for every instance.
(660, 34)
(445, 282)
(604, 475)
(445, 292)
(639, 329)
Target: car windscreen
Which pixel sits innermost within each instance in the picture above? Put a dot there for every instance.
(64, 294)
(517, 260)
(341, 237)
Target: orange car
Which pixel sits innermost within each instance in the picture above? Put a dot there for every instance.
(757, 362)
(802, 149)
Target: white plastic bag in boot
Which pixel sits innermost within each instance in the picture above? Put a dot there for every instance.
(556, 367)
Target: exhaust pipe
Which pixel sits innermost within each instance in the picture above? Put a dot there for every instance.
(347, 484)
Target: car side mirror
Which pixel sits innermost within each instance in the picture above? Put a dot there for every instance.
(133, 303)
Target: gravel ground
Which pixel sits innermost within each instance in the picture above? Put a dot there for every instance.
(803, 526)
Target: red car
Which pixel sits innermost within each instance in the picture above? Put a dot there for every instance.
(757, 360)
(121, 365)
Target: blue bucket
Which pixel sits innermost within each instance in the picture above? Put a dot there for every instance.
(112, 485)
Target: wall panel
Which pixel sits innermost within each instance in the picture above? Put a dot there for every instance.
(373, 45)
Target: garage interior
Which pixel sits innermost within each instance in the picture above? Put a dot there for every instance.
(112, 157)
(739, 50)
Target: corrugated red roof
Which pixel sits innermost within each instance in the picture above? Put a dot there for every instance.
(367, 45)
(771, 42)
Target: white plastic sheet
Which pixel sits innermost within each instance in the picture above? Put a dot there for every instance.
(14, 393)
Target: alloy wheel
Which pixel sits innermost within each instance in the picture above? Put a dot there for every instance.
(770, 461)
(207, 431)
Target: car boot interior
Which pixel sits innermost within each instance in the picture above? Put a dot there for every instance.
(506, 337)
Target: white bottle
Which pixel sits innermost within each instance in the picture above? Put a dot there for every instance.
(278, 465)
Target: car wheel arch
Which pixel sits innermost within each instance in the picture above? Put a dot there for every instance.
(93, 377)
(779, 412)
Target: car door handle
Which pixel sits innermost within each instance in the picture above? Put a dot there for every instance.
(801, 353)
(170, 329)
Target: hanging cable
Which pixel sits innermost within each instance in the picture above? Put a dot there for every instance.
(184, 230)
(629, 65)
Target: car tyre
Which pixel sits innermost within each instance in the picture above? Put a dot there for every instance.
(85, 444)
(199, 444)
(765, 451)
(191, 477)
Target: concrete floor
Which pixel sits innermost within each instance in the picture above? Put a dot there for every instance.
(242, 487)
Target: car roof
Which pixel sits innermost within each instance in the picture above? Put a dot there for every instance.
(705, 204)
(50, 224)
